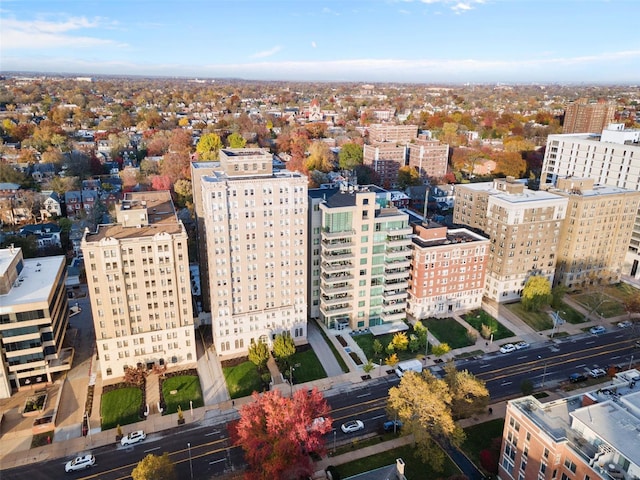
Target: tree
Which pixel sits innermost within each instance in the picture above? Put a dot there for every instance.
(367, 367)
(235, 140)
(153, 467)
(350, 156)
(208, 147)
(377, 347)
(557, 293)
(469, 395)
(536, 293)
(283, 348)
(400, 341)
(320, 157)
(259, 354)
(423, 404)
(184, 190)
(277, 433)
(526, 387)
(407, 177)
(439, 350)
(366, 175)
(392, 360)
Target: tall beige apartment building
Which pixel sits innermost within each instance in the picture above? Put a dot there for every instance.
(595, 234)
(429, 157)
(139, 285)
(34, 315)
(385, 159)
(448, 269)
(524, 229)
(388, 132)
(584, 117)
(255, 226)
(610, 158)
(365, 256)
(588, 435)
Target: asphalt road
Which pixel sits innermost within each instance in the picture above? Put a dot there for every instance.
(202, 452)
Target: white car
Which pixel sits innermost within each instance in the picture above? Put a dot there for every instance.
(597, 330)
(133, 437)
(522, 345)
(508, 348)
(597, 373)
(352, 426)
(80, 463)
(625, 324)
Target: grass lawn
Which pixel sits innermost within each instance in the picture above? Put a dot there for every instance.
(120, 407)
(415, 468)
(339, 358)
(310, 367)
(537, 320)
(477, 318)
(365, 342)
(600, 303)
(622, 291)
(242, 380)
(479, 438)
(448, 331)
(188, 389)
(570, 315)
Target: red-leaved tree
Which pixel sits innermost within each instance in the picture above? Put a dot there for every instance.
(277, 434)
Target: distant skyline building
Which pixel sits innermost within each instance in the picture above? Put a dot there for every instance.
(448, 269)
(523, 226)
(595, 235)
(364, 261)
(34, 315)
(386, 159)
(610, 158)
(139, 284)
(255, 229)
(583, 116)
(389, 132)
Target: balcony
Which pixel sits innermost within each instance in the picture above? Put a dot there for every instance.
(344, 254)
(328, 311)
(399, 263)
(396, 232)
(336, 277)
(398, 241)
(390, 295)
(336, 299)
(393, 317)
(397, 253)
(336, 244)
(396, 285)
(326, 235)
(396, 274)
(336, 267)
(334, 288)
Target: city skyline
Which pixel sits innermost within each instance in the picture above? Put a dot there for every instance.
(412, 41)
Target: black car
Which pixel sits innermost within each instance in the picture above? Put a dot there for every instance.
(577, 377)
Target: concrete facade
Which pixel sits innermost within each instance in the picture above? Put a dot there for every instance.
(255, 222)
(139, 285)
(34, 314)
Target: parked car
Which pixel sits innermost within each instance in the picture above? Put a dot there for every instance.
(508, 348)
(80, 463)
(577, 377)
(352, 426)
(597, 330)
(597, 373)
(625, 324)
(522, 345)
(133, 437)
(392, 425)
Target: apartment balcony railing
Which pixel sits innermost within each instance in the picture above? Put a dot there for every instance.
(336, 299)
(395, 295)
(337, 255)
(336, 244)
(334, 288)
(335, 309)
(397, 253)
(393, 317)
(326, 235)
(336, 277)
(340, 266)
(398, 241)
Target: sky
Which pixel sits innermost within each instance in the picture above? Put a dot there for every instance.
(412, 41)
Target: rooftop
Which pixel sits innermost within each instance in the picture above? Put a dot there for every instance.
(35, 282)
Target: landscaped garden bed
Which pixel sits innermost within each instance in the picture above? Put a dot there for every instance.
(122, 404)
(179, 389)
(34, 404)
(478, 318)
(242, 377)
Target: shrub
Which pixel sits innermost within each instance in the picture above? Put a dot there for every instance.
(486, 331)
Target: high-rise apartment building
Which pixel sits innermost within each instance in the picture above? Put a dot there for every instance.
(385, 159)
(364, 261)
(448, 269)
(255, 225)
(595, 235)
(590, 435)
(523, 226)
(388, 132)
(139, 285)
(612, 158)
(584, 117)
(429, 157)
(34, 315)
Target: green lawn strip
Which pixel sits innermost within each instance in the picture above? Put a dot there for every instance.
(601, 303)
(469, 354)
(242, 380)
(310, 367)
(448, 331)
(365, 342)
(477, 318)
(41, 439)
(622, 291)
(570, 314)
(187, 388)
(339, 358)
(480, 437)
(358, 444)
(120, 407)
(537, 320)
(415, 468)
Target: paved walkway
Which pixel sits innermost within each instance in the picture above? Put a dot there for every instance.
(322, 350)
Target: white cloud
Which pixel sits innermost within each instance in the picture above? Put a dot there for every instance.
(38, 34)
(313, 44)
(267, 53)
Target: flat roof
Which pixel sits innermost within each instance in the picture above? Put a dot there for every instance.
(35, 282)
(454, 236)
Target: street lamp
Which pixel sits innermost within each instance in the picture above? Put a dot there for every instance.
(190, 464)
(291, 370)
(334, 440)
(556, 321)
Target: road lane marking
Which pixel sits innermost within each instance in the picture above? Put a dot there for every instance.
(215, 432)
(152, 449)
(581, 365)
(616, 357)
(506, 383)
(379, 416)
(363, 395)
(217, 461)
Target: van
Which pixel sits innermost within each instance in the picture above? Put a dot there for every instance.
(408, 366)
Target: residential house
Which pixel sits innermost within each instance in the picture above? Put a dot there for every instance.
(46, 234)
(51, 204)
